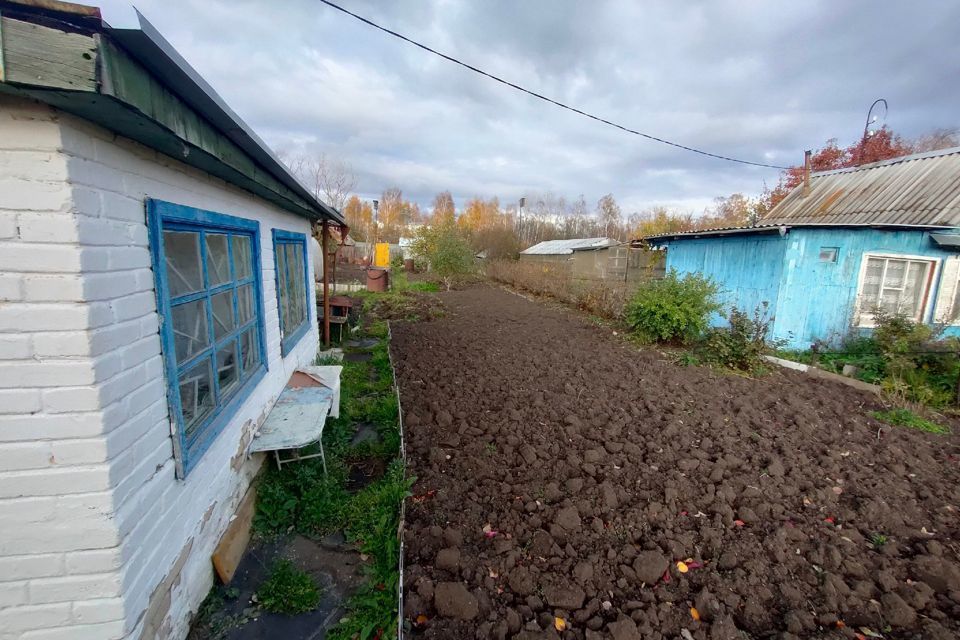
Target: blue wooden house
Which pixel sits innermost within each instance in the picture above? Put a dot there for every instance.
(883, 235)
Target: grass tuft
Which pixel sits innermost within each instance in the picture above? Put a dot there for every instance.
(288, 590)
(906, 418)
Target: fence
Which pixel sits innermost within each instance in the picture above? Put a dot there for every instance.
(604, 298)
(621, 263)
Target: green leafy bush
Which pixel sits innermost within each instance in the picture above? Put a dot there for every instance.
(447, 251)
(288, 590)
(673, 308)
(743, 344)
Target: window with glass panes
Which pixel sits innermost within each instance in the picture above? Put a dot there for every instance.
(208, 293)
(293, 300)
(895, 285)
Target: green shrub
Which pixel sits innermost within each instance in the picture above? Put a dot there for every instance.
(288, 590)
(673, 308)
(917, 367)
(743, 344)
(906, 418)
(447, 251)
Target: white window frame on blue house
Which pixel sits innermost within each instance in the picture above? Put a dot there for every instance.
(947, 305)
(167, 217)
(287, 286)
(863, 317)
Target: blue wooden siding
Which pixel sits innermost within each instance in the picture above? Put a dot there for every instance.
(812, 300)
(749, 268)
(818, 299)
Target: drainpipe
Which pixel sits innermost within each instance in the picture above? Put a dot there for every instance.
(806, 172)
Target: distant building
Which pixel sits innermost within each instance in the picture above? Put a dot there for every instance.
(597, 259)
(881, 235)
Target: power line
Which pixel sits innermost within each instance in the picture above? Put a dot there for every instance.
(543, 97)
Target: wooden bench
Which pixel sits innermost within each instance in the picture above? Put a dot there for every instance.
(339, 313)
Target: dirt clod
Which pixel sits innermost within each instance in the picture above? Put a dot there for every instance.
(624, 629)
(448, 559)
(564, 596)
(897, 612)
(454, 601)
(650, 566)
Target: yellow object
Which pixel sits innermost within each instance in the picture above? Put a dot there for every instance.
(694, 613)
(381, 256)
(682, 567)
(559, 624)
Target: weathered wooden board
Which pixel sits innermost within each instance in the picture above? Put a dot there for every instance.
(40, 56)
(229, 552)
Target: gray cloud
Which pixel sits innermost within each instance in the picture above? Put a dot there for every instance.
(751, 79)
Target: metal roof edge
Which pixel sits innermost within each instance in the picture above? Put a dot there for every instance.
(889, 161)
(774, 228)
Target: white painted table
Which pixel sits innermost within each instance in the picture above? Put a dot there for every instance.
(298, 417)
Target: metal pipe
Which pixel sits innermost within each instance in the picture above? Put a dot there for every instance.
(325, 229)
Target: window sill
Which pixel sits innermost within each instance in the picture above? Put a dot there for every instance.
(290, 342)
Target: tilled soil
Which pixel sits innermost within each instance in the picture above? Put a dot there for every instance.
(563, 473)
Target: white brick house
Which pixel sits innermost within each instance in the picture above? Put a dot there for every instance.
(141, 338)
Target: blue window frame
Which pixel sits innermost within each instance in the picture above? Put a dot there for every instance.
(210, 300)
(293, 297)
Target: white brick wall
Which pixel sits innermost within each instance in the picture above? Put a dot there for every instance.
(92, 518)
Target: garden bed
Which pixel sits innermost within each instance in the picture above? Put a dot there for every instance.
(570, 485)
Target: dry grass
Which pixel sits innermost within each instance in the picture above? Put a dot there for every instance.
(597, 297)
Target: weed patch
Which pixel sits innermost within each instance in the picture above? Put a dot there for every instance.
(906, 418)
(742, 345)
(288, 590)
(910, 361)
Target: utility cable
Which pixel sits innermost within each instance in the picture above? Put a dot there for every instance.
(545, 98)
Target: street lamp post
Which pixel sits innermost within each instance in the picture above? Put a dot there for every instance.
(523, 201)
(866, 126)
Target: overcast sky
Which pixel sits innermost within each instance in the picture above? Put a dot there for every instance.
(756, 80)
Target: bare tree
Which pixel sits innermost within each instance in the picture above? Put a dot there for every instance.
(329, 179)
(609, 216)
(936, 140)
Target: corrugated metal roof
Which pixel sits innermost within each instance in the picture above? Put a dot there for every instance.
(921, 189)
(716, 231)
(566, 247)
